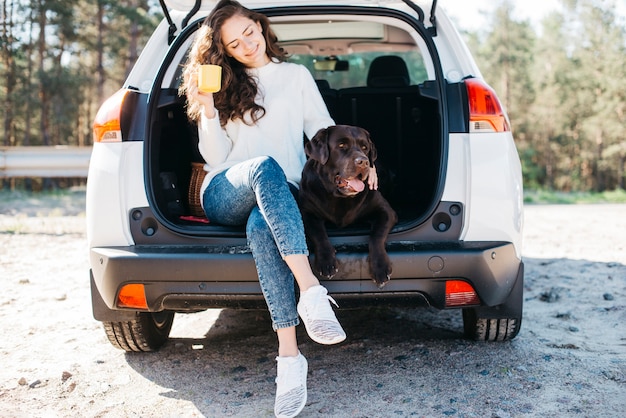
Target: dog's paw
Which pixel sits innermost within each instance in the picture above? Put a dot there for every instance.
(329, 271)
(380, 269)
(326, 264)
(381, 283)
(327, 267)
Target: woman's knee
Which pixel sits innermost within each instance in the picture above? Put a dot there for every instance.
(266, 166)
(266, 162)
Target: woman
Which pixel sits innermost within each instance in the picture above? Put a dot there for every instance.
(250, 135)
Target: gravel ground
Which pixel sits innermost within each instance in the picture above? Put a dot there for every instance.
(568, 360)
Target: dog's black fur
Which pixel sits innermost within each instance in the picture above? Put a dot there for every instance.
(334, 189)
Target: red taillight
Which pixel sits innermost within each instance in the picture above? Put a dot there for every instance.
(460, 293)
(107, 125)
(486, 114)
(132, 295)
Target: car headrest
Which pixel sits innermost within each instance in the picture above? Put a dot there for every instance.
(322, 84)
(388, 71)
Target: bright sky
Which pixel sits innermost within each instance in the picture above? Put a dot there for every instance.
(471, 14)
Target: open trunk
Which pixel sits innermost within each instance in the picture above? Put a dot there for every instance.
(373, 71)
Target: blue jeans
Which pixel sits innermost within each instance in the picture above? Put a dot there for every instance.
(256, 193)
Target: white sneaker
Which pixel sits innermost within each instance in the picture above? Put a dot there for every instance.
(319, 319)
(290, 386)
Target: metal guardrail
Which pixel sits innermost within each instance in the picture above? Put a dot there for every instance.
(57, 161)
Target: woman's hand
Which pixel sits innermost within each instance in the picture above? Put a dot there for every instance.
(372, 179)
(205, 99)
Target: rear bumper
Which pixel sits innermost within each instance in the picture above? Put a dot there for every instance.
(193, 278)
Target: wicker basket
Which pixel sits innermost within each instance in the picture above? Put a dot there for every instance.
(197, 176)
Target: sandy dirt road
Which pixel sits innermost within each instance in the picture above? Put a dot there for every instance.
(569, 359)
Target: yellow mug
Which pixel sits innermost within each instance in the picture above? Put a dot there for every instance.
(210, 78)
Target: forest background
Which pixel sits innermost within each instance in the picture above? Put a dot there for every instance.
(563, 82)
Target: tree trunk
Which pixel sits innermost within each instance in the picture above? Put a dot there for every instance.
(101, 76)
(28, 85)
(10, 75)
(621, 177)
(44, 95)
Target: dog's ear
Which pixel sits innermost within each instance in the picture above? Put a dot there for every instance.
(317, 147)
(373, 154)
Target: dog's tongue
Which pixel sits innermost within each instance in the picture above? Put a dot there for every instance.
(356, 184)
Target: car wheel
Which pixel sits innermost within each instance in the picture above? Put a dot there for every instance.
(489, 329)
(147, 332)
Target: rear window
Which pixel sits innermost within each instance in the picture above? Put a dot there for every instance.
(358, 66)
(354, 42)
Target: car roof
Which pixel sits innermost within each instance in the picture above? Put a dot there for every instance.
(425, 9)
(206, 5)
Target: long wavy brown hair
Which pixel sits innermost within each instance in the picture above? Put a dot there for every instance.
(239, 89)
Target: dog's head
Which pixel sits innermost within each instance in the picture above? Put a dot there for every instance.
(346, 154)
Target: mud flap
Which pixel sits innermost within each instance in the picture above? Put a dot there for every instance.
(101, 311)
(513, 307)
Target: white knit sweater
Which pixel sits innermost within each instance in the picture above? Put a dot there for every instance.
(293, 106)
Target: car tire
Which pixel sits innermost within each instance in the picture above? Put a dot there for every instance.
(489, 329)
(147, 332)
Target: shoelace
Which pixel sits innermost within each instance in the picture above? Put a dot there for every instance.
(323, 311)
(328, 311)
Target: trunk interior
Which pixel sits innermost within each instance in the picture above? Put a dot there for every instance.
(404, 125)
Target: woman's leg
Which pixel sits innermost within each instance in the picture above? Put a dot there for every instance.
(277, 284)
(256, 193)
(287, 342)
(301, 269)
(275, 277)
(276, 238)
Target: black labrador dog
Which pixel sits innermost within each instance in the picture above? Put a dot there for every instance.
(334, 189)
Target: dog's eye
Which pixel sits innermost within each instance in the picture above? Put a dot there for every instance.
(342, 145)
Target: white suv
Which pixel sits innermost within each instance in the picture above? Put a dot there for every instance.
(396, 68)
